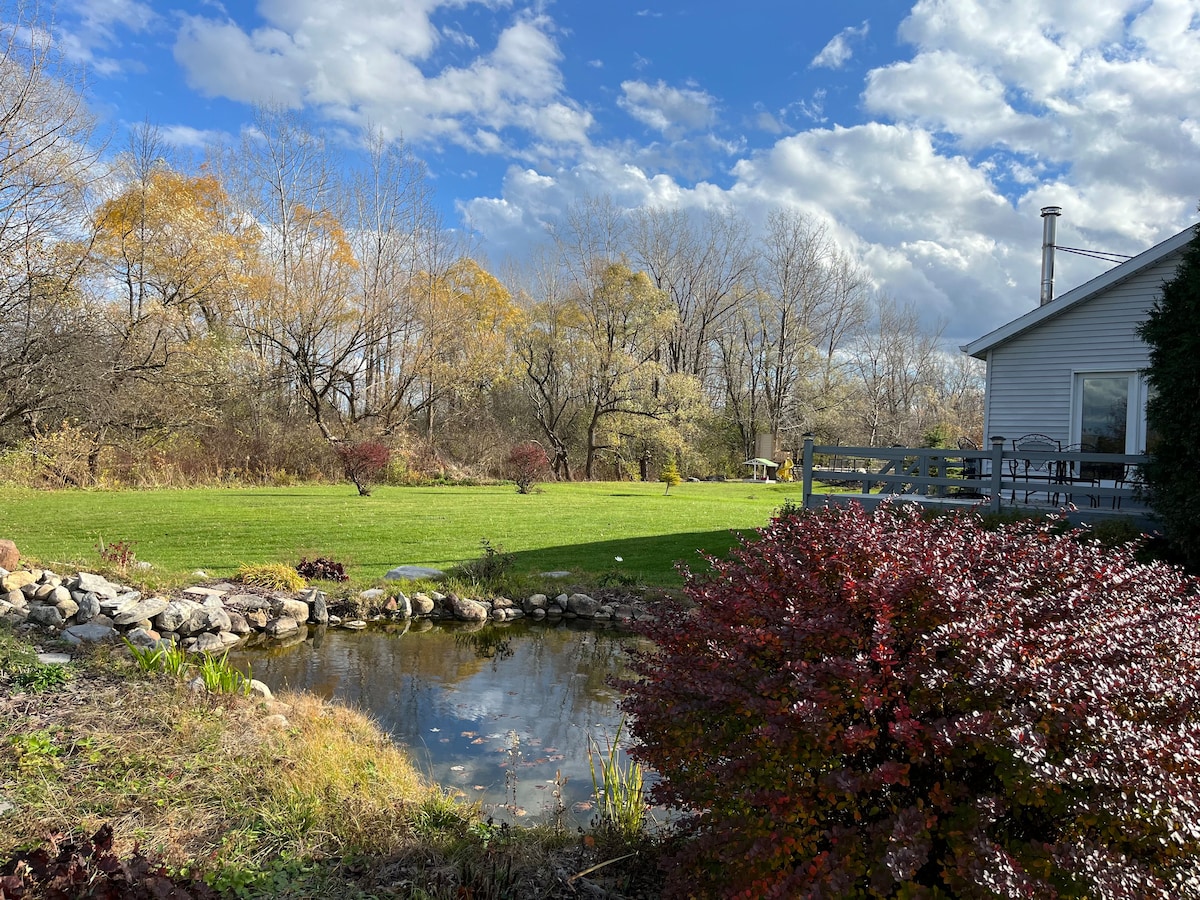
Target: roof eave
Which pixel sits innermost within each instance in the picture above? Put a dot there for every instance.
(979, 347)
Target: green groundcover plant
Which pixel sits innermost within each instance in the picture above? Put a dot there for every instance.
(883, 704)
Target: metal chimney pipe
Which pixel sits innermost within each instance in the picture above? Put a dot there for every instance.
(1050, 216)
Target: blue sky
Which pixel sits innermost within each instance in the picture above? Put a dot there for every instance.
(926, 135)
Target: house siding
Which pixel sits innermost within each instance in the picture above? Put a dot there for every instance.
(1030, 377)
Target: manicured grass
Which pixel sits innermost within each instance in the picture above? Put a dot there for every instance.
(582, 528)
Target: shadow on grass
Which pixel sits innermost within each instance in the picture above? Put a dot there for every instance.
(647, 560)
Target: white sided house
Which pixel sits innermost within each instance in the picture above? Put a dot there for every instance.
(1071, 368)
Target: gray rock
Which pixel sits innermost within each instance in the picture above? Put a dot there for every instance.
(54, 659)
(67, 608)
(534, 601)
(96, 584)
(502, 603)
(202, 619)
(89, 633)
(207, 642)
(467, 610)
(16, 614)
(42, 593)
(538, 614)
(554, 610)
(114, 606)
(320, 609)
(422, 605)
(237, 623)
(292, 609)
(89, 606)
(176, 613)
(60, 595)
(141, 637)
(199, 593)
(413, 572)
(257, 619)
(45, 616)
(228, 638)
(143, 610)
(371, 593)
(560, 601)
(16, 598)
(248, 603)
(355, 624)
(281, 625)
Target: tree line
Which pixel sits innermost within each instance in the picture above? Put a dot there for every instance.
(249, 314)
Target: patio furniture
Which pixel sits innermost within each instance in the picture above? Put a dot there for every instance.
(1071, 473)
(1032, 469)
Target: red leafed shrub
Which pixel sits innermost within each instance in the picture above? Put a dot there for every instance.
(362, 462)
(322, 568)
(528, 464)
(884, 705)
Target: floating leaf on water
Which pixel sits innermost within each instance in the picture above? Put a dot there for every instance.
(480, 787)
(458, 768)
(467, 734)
(582, 806)
(479, 741)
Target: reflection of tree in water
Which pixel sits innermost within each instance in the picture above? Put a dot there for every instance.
(488, 643)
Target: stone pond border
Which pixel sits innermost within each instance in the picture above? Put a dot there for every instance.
(211, 618)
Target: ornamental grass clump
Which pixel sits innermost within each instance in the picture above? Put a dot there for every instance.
(887, 705)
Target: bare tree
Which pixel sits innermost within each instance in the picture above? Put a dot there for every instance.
(47, 161)
(705, 268)
(895, 362)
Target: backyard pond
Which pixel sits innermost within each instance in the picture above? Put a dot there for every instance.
(501, 713)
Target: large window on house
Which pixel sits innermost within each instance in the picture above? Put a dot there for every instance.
(1109, 416)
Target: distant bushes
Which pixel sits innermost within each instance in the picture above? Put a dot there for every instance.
(886, 705)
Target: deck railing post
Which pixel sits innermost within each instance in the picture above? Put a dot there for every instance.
(806, 467)
(997, 470)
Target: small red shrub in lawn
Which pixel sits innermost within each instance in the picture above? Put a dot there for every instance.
(362, 462)
(886, 705)
(528, 464)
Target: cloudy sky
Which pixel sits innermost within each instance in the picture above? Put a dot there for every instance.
(927, 135)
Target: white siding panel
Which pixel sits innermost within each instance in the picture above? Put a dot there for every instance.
(1030, 377)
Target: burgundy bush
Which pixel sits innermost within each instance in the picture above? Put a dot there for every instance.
(885, 705)
(528, 464)
(362, 462)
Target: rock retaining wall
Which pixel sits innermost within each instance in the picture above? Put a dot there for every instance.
(211, 618)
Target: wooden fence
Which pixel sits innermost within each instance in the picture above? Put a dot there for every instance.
(1095, 485)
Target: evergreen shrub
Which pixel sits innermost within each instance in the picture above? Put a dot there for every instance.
(882, 704)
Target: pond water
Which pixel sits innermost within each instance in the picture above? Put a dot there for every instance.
(497, 712)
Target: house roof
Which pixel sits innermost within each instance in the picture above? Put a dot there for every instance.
(1035, 317)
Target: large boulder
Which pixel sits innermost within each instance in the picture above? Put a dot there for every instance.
(413, 573)
(285, 607)
(46, 616)
(467, 610)
(97, 584)
(8, 555)
(582, 605)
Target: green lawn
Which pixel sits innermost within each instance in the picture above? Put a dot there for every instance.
(577, 527)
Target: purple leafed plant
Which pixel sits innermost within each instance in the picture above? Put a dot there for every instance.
(892, 705)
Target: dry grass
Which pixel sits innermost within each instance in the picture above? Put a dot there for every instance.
(294, 797)
(198, 777)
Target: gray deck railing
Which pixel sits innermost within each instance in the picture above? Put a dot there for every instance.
(994, 477)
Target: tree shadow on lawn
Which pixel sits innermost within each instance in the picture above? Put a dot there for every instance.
(635, 560)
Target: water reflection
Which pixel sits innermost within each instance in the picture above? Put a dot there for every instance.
(493, 711)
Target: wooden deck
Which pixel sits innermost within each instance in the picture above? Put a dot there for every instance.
(1088, 487)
